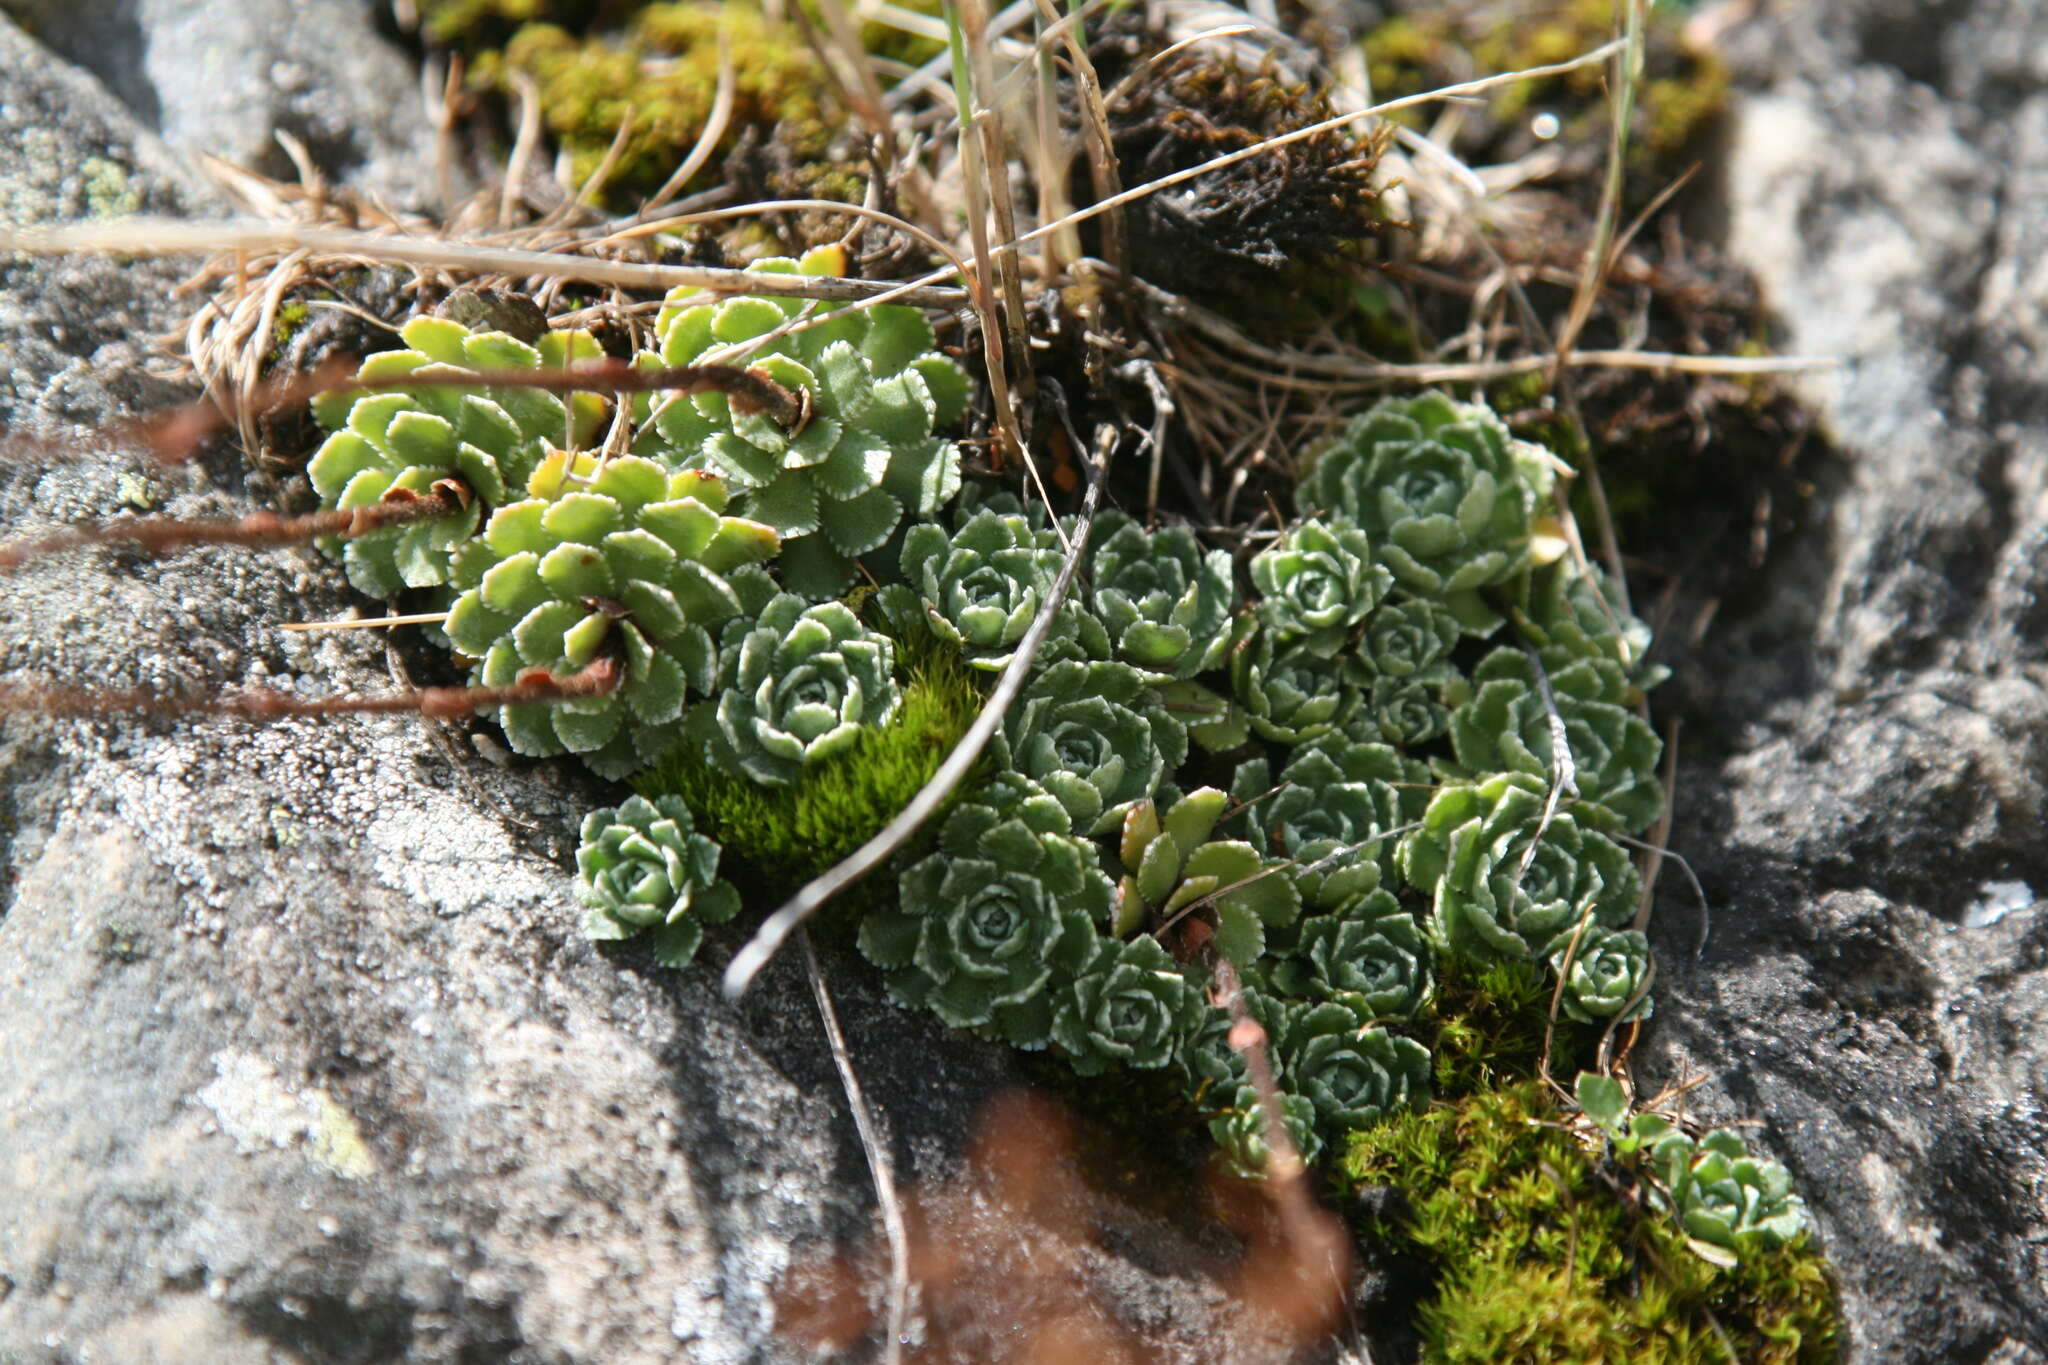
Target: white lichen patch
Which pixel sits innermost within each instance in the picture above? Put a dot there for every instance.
(431, 848)
(259, 1112)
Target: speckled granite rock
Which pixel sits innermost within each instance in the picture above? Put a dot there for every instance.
(305, 1056)
(307, 1061)
(227, 78)
(1868, 760)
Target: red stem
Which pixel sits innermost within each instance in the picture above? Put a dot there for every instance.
(258, 530)
(263, 703)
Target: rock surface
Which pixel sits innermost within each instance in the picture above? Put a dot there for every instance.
(227, 79)
(1867, 776)
(307, 1058)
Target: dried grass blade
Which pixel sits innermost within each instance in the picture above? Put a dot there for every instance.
(169, 237)
(776, 929)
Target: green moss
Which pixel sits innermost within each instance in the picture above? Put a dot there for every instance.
(109, 192)
(1490, 1024)
(1537, 1260)
(291, 317)
(1531, 1250)
(664, 69)
(893, 44)
(791, 833)
(472, 23)
(1683, 92)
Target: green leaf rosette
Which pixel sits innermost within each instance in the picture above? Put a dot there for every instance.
(1165, 602)
(1319, 575)
(1505, 727)
(1411, 639)
(1212, 1068)
(1507, 884)
(642, 867)
(1567, 614)
(1355, 1076)
(1299, 689)
(1094, 735)
(983, 585)
(1730, 1199)
(797, 684)
(1605, 971)
(1131, 1005)
(1336, 796)
(1408, 712)
(1369, 956)
(625, 560)
(1241, 1131)
(1446, 495)
(866, 460)
(394, 442)
(1006, 910)
(1170, 861)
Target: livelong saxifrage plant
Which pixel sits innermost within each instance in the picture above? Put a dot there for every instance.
(868, 457)
(1401, 665)
(414, 440)
(644, 866)
(1170, 862)
(623, 559)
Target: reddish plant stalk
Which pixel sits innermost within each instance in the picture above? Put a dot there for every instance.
(535, 685)
(173, 437)
(258, 530)
(751, 390)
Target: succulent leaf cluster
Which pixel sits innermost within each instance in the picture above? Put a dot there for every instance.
(1170, 863)
(1318, 576)
(983, 584)
(1426, 721)
(642, 867)
(1132, 1004)
(1729, 1202)
(1241, 1132)
(1165, 602)
(1510, 879)
(1381, 699)
(1448, 498)
(1096, 736)
(1507, 726)
(1354, 1074)
(867, 458)
(1730, 1199)
(1606, 975)
(623, 559)
(1004, 911)
(1406, 648)
(1370, 956)
(796, 685)
(1300, 688)
(1336, 813)
(482, 444)
(1565, 614)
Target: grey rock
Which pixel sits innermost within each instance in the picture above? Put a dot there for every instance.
(307, 1060)
(225, 79)
(1868, 769)
(306, 1057)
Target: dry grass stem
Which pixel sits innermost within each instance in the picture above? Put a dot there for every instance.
(170, 237)
(418, 618)
(258, 530)
(880, 1168)
(268, 704)
(776, 929)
